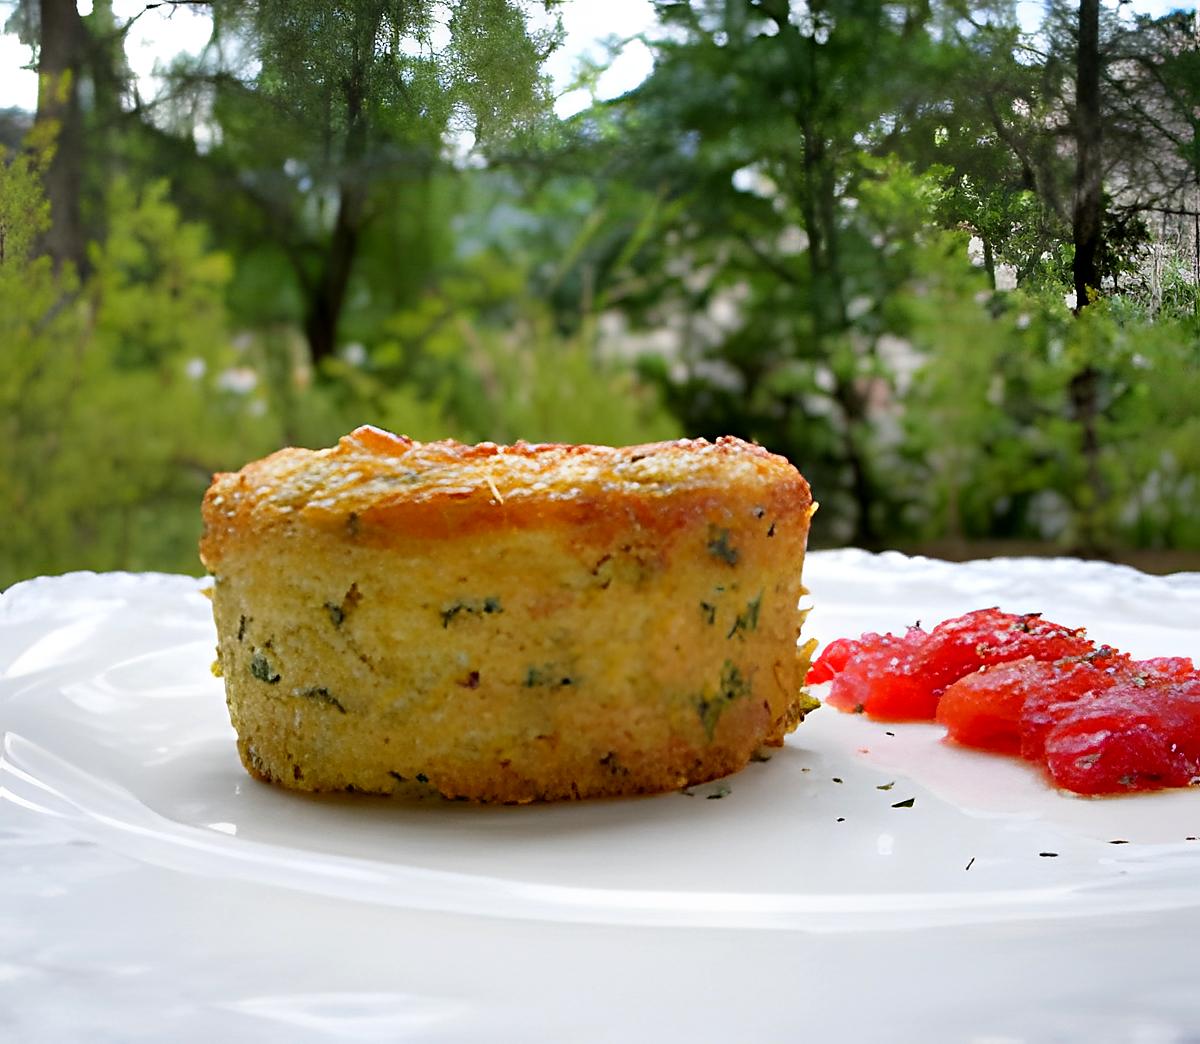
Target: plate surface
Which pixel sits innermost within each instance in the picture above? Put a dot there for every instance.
(118, 765)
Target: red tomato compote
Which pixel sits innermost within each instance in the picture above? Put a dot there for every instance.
(1097, 721)
(902, 678)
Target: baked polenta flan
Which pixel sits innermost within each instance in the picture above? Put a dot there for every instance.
(508, 623)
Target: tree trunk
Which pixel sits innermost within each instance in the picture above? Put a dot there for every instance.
(328, 295)
(1089, 200)
(1086, 228)
(60, 58)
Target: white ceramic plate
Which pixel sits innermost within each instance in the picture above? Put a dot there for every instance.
(115, 728)
(118, 753)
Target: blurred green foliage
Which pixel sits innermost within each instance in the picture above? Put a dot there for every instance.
(114, 420)
(841, 229)
(123, 394)
(990, 417)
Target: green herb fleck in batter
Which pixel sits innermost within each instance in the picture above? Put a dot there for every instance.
(322, 695)
(733, 686)
(471, 607)
(747, 621)
(338, 611)
(261, 668)
(719, 546)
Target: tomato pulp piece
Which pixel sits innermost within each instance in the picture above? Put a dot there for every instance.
(1129, 737)
(834, 657)
(879, 678)
(984, 709)
(873, 685)
(988, 636)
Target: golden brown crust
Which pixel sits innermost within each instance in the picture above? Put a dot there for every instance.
(508, 623)
(379, 489)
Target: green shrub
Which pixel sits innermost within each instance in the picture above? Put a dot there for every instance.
(113, 411)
